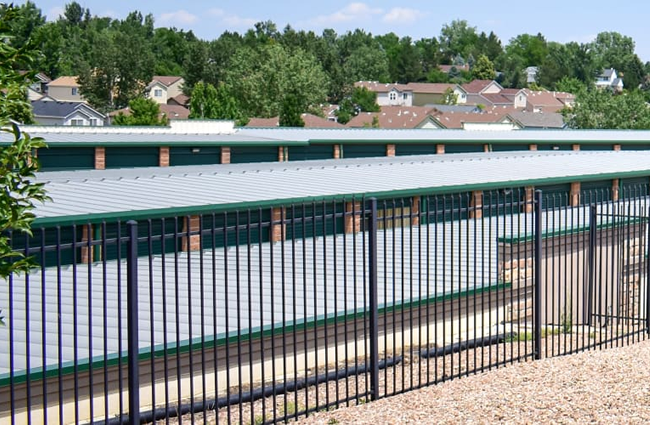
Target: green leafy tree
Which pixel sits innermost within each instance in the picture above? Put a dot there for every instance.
(449, 97)
(457, 38)
(19, 194)
(361, 100)
(531, 49)
(291, 112)
(203, 103)
(602, 109)
(570, 85)
(483, 69)
(141, 112)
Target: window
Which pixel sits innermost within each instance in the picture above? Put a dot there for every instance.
(157, 93)
(76, 122)
(405, 96)
(74, 91)
(93, 122)
(392, 95)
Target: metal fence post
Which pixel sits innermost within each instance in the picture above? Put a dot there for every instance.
(373, 293)
(593, 217)
(537, 307)
(132, 321)
(647, 279)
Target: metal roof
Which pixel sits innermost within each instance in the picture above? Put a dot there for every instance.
(137, 192)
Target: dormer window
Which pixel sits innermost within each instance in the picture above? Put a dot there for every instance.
(392, 96)
(74, 91)
(157, 93)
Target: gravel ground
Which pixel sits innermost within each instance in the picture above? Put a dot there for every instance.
(599, 386)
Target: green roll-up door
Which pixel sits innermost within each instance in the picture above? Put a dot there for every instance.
(501, 147)
(634, 187)
(59, 159)
(596, 191)
(363, 150)
(415, 149)
(204, 155)
(635, 147)
(554, 196)
(132, 157)
(304, 153)
(553, 147)
(243, 155)
(463, 148)
(593, 147)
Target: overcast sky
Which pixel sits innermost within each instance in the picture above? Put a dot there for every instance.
(562, 21)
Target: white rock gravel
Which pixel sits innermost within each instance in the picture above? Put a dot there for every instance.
(600, 386)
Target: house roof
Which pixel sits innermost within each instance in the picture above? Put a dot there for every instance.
(394, 117)
(607, 73)
(496, 99)
(132, 193)
(264, 122)
(455, 108)
(57, 109)
(314, 121)
(477, 86)
(176, 112)
(381, 87)
(65, 81)
(538, 120)
(456, 120)
(181, 99)
(166, 80)
(430, 88)
(447, 68)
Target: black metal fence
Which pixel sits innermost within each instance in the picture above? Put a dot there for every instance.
(268, 314)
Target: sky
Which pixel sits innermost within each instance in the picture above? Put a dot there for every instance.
(561, 21)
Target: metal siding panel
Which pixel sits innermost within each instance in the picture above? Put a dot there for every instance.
(311, 152)
(131, 157)
(244, 155)
(58, 159)
(415, 149)
(189, 156)
(363, 151)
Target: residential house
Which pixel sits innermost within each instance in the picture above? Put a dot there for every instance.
(311, 121)
(49, 111)
(537, 121)
(447, 68)
(397, 117)
(389, 94)
(493, 120)
(542, 101)
(432, 93)
(38, 88)
(609, 79)
(65, 89)
(163, 88)
(485, 92)
(531, 74)
(516, 96)
(172, 112)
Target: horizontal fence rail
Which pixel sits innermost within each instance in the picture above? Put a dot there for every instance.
(265, 315)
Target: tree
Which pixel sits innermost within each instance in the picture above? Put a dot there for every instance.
(602, 109)
(290, 112)
(570, 85)
(483, 69)
(457, 38)
(449, 97)
(203, 103)
(361, 100)
(19, 193)
(531, 49)
(141, 112)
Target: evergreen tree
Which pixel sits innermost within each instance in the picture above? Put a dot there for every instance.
(142, 112)
(291, 112)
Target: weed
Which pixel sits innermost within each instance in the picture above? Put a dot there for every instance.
(332, 421)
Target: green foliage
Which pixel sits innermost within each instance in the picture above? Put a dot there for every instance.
(530, 49)
(361, 100)
(19, 193)
(458, 38)
(602, 109)
(449, 97)
(483, 69)
(290, 112)
(203, 103)
(142, 112)
(570, 85)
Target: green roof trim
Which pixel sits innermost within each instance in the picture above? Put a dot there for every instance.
(196, 344)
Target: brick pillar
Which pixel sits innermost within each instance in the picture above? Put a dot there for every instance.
(486, 148)
(225, 155)
(193, 225)
(337, 151)
(282, 154)
(575, 147)
(476, 204)
(615, 188)
(415, 211)
(163, 156)
(352, 217)
(529, 207)
(617, 147)
(440, 149)
(532, 147)
(100, 158)
(86, 252)
(390, 150)
(575, 194)
(278, 225)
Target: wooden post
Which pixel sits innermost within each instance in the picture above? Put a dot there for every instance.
(225, 154)
(352, 217)
(193, 226)
(163, 156)
(476, 204)
(415, 211)
(575, 194)
(100, 158)
(278, 225)
(390, 150)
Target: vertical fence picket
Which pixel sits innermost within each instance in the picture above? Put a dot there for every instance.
(132, 320)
